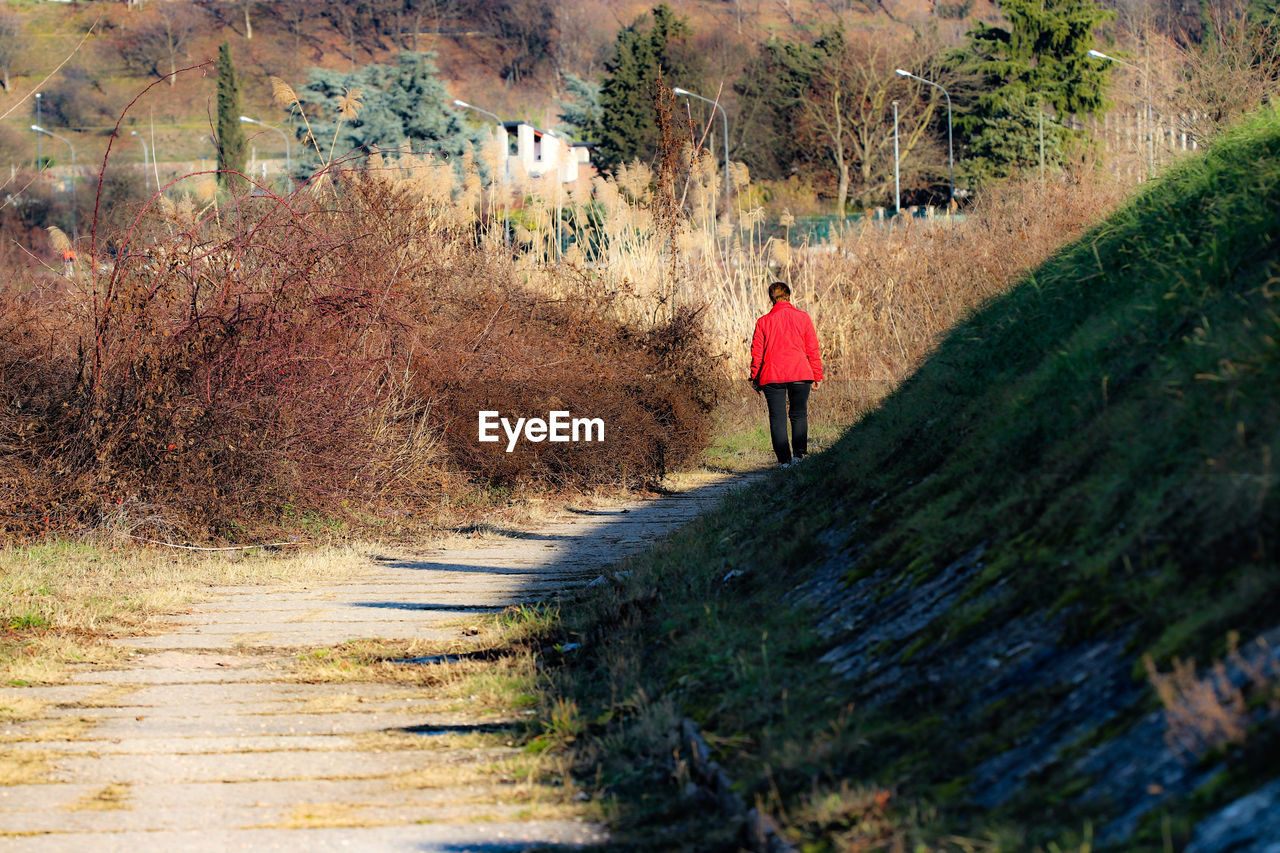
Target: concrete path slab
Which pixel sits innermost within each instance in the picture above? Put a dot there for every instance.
(507, 837)
(206, 740)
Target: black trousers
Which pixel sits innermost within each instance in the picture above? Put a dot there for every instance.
(777, 395)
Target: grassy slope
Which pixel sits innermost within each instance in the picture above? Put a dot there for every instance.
(1099, 443)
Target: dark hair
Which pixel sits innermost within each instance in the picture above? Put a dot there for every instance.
(779, 290)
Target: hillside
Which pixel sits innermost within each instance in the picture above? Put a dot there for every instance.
(971, 623)
(475, 45)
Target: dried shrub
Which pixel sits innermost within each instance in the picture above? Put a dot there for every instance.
(302, 353)
(1212, 712)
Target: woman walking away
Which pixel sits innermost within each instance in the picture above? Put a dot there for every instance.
(784, 365)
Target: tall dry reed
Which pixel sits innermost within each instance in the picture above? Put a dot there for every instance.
(881, 293)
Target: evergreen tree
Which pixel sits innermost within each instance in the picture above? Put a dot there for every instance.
(580, 114)
(628, 129)
(403, 108)
(231, 144)
(1265, 13)
(1038, 62)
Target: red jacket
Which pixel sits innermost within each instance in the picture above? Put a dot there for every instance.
(785, 347)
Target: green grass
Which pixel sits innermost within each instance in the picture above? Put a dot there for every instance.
(738, 448)
(1106, 431)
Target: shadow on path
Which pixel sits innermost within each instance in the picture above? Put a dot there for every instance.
(441, 608)
(459, 729)
(537, 565)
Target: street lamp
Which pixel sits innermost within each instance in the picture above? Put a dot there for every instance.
(146, 160)
(288, 162)
(1146, 97)
(75, 234)
(502, 142)
(951, 157)
(897, 187)
(503, 155)
(464, 105)
(154, 166)
(39, 159)
(728, 210)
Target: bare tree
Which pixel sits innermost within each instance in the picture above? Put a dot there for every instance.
(523, 34)
(158, 42)
(409, 24)
(584, 40)
(74, 99)
(246, 7)
(11, 41)
(351, 18)
(848, 112)
(297, 17)
(1234, 70)
(419, 16)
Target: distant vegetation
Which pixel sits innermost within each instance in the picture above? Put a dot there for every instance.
(783, 72)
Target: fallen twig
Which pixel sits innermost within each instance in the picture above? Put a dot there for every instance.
(209, 548)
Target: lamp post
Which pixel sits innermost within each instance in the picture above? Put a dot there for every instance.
(505, 156)
(728, 210)
(288, 161)
(154, 166)
(146, 160)
(39, 159)
(1040, 113)
(897, 191)
(464, 105)
(1146, 97)
(951, 157)
(75, 234)
(506, 165)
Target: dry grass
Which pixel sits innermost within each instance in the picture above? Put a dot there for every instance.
(1209, 712)
(58, 729)
(45, 657)
(113, 797)
(16, 709)
(485, 685)
(67, 586)
(107, 697)
(323, 816)
(399, 741)
(60, 600)
(498, 688)
(24, 766)
(516, 776)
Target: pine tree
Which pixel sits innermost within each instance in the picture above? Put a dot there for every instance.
(403, 109)
(580, 114)
(1265, 13)
(231, 144)
(628, 121)
(1039, 62)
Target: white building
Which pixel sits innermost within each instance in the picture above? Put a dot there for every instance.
(538, 152)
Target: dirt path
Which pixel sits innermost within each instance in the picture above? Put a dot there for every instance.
(209, 740)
